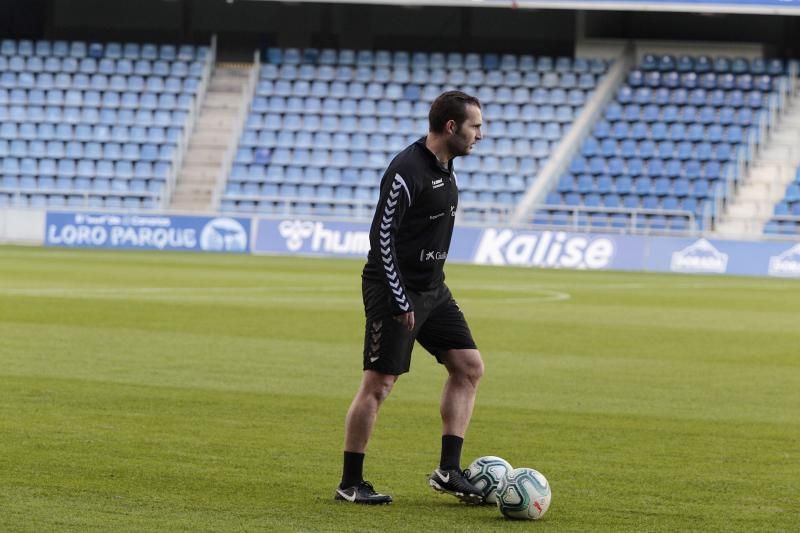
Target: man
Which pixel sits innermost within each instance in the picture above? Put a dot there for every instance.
(406, 299)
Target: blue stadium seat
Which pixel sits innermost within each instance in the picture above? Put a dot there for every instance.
(700, 188)
(642, 185)
(584, 184)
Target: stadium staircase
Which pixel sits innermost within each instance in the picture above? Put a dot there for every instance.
(765, 183)
(213, 140)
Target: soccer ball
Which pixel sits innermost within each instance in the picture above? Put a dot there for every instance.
(523, 493)
(485, 473)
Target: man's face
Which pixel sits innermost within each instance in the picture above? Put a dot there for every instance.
(465, 135)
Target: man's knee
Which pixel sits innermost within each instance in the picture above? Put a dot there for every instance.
(377, 386)
(465, 364)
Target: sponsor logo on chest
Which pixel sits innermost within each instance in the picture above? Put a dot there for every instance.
(437, 183)
(431, 255)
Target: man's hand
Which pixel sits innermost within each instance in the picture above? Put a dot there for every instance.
(407, 320)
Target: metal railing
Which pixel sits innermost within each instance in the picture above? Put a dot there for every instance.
(246, 99)
(792, 234)
(767, 122)
(636, 221)
(581, 127)
(188, 126)
(16, 197)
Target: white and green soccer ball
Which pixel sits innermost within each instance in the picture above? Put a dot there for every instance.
(523, 493)
(485, 473)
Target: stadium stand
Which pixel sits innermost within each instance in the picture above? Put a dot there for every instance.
(786, 217)
(669, 147)
(324, 124)
(94, 125)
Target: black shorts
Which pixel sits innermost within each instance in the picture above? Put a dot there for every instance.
(439, 325)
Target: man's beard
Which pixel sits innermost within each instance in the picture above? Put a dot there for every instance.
(458, 146)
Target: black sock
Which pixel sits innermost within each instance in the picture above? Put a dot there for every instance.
(451, 452)
(353, 471)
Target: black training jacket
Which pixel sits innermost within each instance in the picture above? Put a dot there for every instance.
(410, 233)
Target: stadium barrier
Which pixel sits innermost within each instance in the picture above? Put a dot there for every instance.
(507, 246)
(544, 248)
(500, 245)
(132, 231)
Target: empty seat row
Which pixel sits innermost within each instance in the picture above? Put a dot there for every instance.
(94, 115)
(125, 67)
(786, 214)
(89, 150)
(389, 125)
(69, 153)
(693, 80)
(318, 157)
(107, 99)
(786, 208)
(33, 138)
(295, 207)
(365, 176)
(692, 203)
(653, 167)
(642, 186)
(557, 102)
(453, 60)
(543, 114)
(309, 174)
(320, 192)
(720, 64)
(647, 149)
(526, 166)
(706, 114)
(532, 111)
(537, 107)
(264, 140)
(782, 227)
(171, 84)
(260, 143)
(88, 168)
(421, 76)
(100, 82)
(114, 50)
(413, 92)
(328, 193)
(124, 182)
(677, 131)
(368, 177)
(290, 192)
(537, 97)
(632, 220)
(334, 123)
(697, 97)
(108, 200)
(363, 159)
(482, 181)
(336, 106)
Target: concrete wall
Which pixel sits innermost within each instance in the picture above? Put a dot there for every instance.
(22, 226)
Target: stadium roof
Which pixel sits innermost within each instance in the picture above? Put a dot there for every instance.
(764, 7)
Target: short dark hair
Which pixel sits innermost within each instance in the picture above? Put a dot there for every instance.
(451, 105)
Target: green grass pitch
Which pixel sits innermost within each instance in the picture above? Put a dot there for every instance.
(182, 392)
